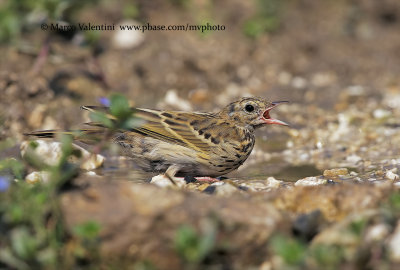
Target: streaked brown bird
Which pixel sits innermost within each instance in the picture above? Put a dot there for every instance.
(190, 143)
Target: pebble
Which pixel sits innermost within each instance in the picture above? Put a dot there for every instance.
(394, 245)
(162, 181)
(377, 233)
(381, 113)
(125, 39)
(311, 181)
(36, 117)
(172, 99)
(38, 177)
(273, 183)
(225, 189)
(202, 187)
(299, 82)
(353, 159)
(335, 172)
(391, 175)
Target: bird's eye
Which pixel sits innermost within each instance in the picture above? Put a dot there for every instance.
(249, 108)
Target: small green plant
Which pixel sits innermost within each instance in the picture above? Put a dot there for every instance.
(327, 256)
(291, 250)
(32, 233)
(192, 246)
(121, 115)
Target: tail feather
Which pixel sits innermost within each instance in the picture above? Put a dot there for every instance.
(87, 135)
(49, 133)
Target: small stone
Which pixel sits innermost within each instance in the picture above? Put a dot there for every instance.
(163, 181)
(38, 177)
(199, 96)
(210, 189)
(126, 39)
(380, 113)
(391, 175)
(36, 117)
(377, 233)
(172, 99)
(353, 159)
(203, 186)
(92, 162)
(311, 181)
(226, 189)
(91, 173)
(273, 183)
(335, 172)
(394, 245)
(299, 82)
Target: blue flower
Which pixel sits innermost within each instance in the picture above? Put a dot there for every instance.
(104, 101)
(4, 183)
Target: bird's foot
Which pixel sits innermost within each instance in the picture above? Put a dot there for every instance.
(207, 179)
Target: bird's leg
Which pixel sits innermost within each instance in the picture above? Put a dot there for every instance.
(170, 173)
(207, 179)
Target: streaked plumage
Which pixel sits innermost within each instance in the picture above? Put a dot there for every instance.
(190, 143)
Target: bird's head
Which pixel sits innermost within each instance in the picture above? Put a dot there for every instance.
(252, 112)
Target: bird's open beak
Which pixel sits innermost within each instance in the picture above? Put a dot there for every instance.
(268, 120)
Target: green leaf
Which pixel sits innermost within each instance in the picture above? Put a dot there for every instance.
(119, 107)
(193, 247)
(291, 250)
(88, 230)
(23, 243)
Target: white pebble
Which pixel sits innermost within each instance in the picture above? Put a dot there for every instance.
(381, 113)
(226, 189)
(127, 39)
(163, 181)
(311, 181)
(353, 159)
(392, 176)
(172, 99)
(394, 245)
(377, 233)
(273, 183)
(37, 177)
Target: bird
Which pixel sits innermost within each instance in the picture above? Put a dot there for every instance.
(193, 144)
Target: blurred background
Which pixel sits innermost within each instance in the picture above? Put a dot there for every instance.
(309, 52)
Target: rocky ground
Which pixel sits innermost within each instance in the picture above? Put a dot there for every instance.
(323, 192)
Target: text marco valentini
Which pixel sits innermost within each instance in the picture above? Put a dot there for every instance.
(82, 27)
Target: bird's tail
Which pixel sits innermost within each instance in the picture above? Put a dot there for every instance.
(86, 135)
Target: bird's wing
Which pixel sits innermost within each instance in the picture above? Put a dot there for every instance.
(173, 127)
